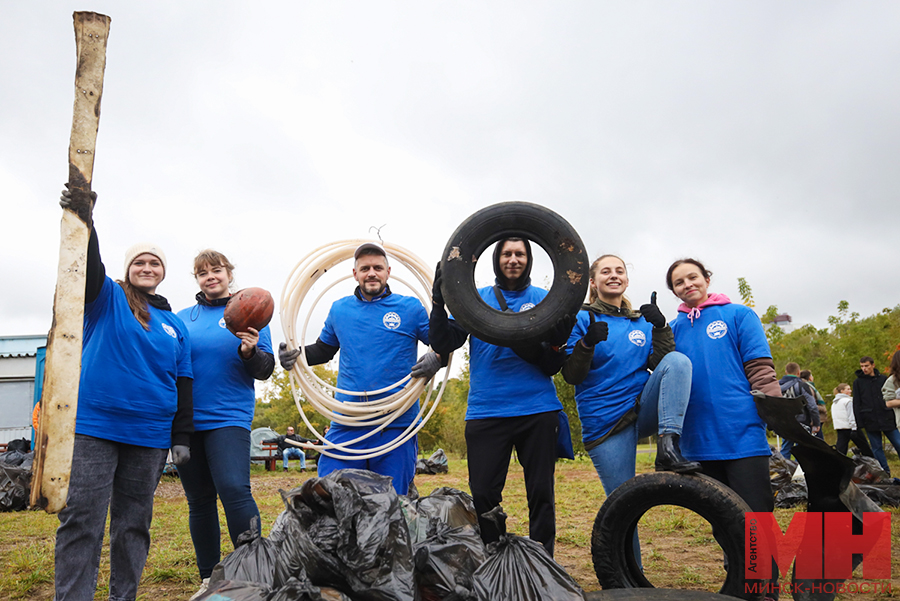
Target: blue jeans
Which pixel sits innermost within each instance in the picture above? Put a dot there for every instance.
(663, 403)
(294, 453)
(219, 468)
(122, 479)
(875, 440)
(399, 464)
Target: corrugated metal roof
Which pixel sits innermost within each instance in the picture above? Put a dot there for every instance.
(21, 346)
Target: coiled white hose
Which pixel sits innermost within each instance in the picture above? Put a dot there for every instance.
(306, 385)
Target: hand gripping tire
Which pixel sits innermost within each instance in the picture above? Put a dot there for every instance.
(611, 540)
(504, 220)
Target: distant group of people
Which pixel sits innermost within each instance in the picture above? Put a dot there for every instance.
(153, 381)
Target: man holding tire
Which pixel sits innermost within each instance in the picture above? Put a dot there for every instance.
(512, 400)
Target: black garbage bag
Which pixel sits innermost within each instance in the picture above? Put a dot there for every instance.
(236, 590)
(14, 458)
(347, 531)
(253, 560)
(520, 568)
(446, 562)
(15, 487)
(303, 590)
(436, 464)
(450, 506)
(23, 445)
(869, 471)
(886, 495)
(791, 494)
(781, 470)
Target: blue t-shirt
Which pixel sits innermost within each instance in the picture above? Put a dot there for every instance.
(378, 341)
(224, 393)
(127, 391)
(501, 384)
(721, 421)
(618, 371)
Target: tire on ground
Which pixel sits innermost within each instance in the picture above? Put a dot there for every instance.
(611, 540)
(504, 220)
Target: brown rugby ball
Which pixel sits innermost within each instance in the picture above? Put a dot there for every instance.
(249, 308)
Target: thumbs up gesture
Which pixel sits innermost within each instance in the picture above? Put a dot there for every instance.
(652, 314)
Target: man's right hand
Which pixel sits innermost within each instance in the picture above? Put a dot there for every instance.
(437, 296)
(596, 332)
(286, 357)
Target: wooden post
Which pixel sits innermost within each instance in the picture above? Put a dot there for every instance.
(59, 399)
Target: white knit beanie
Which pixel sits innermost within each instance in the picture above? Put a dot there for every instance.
(144, 247)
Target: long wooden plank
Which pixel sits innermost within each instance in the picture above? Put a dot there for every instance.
(59, 397)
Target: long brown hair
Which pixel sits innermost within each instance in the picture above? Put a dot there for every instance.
(895, 367)
(592, 292)
(137, 302)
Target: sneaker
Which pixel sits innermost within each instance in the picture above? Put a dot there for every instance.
(203, 586)
(285, 469)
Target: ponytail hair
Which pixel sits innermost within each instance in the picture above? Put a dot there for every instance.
(137, 302)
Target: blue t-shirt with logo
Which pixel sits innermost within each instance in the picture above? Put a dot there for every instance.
(721, 421)
(224, 393)
(618, 371)
(378, 343)
(127, 391)
(501, 384)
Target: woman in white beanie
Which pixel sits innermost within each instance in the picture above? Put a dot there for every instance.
(134, 404)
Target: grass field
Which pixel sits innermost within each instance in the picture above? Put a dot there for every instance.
(678, 548)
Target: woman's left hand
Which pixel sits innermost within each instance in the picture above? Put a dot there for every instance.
(652, 314)
(249, 339)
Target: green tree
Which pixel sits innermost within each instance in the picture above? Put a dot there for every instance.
(746, 292)
(276, 408)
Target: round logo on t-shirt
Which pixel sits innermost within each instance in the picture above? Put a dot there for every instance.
(526, 307)
(716, 329)
(170, 330)
(637, 337)
(391, 321)
(222, 323)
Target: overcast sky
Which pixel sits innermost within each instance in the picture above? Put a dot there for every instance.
(760, 137)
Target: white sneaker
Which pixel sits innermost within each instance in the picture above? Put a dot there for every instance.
(203, 586)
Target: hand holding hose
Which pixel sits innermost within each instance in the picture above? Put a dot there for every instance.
(427, 366)
(286, 357)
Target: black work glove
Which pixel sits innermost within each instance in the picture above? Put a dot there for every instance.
(181, 454)
(596, 332)
(559, 335)
(286, 357)
(652, 314)
(437, 297)
(79, 202)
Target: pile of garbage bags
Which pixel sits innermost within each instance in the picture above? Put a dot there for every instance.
(789, 483)
(350, 537)
(15, 475)
(436, 464)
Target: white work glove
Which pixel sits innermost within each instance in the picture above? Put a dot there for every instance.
(181, 454)
(287, 358)
(427, 366)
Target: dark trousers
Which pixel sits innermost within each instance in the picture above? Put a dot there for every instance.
(749, 478)
(859, 439)
(219, 468)
(489, 445)
(122, 479)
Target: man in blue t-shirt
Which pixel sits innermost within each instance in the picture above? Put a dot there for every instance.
(512, 400)
(377, 333)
